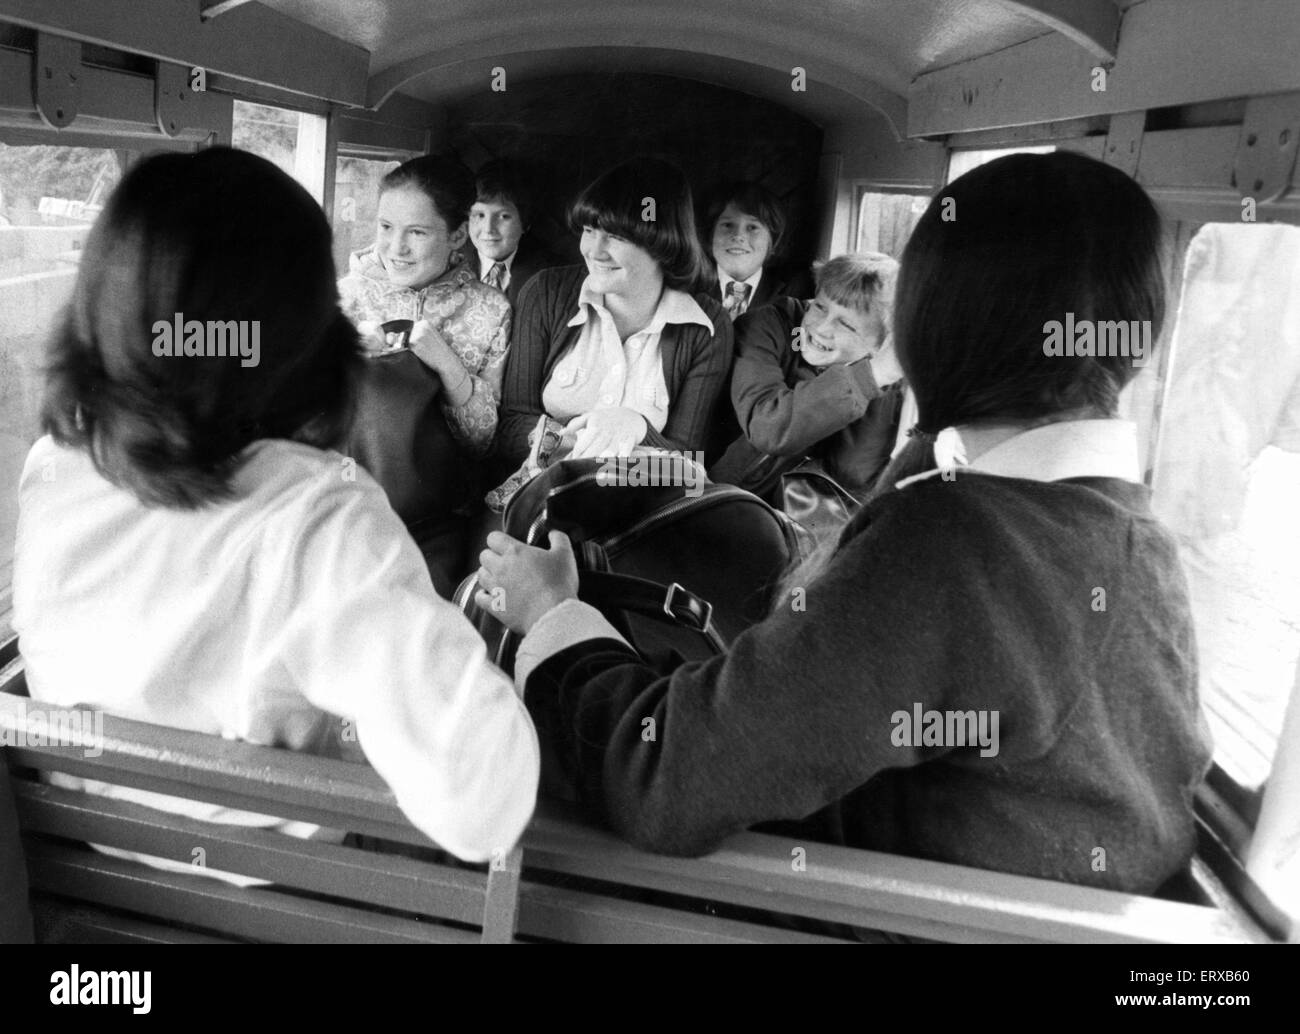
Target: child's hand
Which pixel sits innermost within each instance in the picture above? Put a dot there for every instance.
(519, 583)
(373, 338)
(431, 348)
(606, 432)
(884, 364)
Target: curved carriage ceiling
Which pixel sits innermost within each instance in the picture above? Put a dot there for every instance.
(932, 67)
(853, 51)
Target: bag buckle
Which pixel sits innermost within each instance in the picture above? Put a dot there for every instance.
(700, 610)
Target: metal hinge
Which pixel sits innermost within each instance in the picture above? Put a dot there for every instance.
(1266, 150)
(1124, 141)
(56, 74)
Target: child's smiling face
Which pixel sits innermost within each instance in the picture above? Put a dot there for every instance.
(741, 243)
(833, 333)
(495, 228)
(414, 243)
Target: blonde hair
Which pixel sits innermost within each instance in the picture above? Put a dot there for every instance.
(859, 280)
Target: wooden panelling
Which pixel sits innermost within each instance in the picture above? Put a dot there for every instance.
(200, 902)
(1170, 52)
(315, 866)
(253, 43)
(572, 128)
(579, 883)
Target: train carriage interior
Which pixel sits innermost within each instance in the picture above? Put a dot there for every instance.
(854, 113)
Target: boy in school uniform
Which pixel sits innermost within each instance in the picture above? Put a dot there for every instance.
(499, 220)
(746, 227)
(817, 379)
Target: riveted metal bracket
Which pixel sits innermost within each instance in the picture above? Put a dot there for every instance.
(1266, 150)
(171, 98)
(1124, 141)
(56, 86)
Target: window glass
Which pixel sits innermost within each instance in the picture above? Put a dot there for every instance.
(293, 140)
(49, 197)
(961, 162)
(1140, 400)
(1227, 479)
(356, 205)
(886, 221)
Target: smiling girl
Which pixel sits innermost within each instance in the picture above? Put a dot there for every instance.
(420, 436)
(619, 350)
(414, 271)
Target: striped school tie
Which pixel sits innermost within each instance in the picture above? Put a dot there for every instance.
(737, 299)
(496, 275)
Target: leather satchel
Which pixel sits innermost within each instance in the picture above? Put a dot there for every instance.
(401, 437)
(679, 571)
(816, 502)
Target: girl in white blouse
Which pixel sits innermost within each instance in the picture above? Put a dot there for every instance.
(191, 552)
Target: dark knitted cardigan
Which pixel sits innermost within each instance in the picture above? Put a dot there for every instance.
(978, 594)
(696, 365)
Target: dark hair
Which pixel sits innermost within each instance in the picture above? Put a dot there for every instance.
(444, 181)
(216, 236)
(618, 201)
(503, 181)
(752, 199)
(1001, 252)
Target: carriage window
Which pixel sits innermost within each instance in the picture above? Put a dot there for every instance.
(49, 197)
(1227, 479)
(356, 204)
(961, 162)
(886, 221)
(293, 140)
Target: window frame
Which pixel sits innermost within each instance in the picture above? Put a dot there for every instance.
(861, 187)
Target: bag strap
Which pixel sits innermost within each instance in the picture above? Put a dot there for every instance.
(606, 590)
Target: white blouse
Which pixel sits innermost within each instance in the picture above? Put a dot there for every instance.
(261, 617)
(601, 371)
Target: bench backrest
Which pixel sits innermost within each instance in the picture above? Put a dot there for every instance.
(568, 881)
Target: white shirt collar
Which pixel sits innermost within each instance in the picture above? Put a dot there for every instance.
(485, 264)
(1055, 452)
(674, 307)
(724, 279)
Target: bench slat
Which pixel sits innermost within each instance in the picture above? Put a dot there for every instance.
(227, 772)
(61, 922)
(208, 904)
(585, 917)
(861, 888)
(369, 877)
(880, 891)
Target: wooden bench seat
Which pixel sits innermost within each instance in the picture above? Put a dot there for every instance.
(568, 881)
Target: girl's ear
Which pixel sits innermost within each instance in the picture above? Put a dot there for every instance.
(459, 236)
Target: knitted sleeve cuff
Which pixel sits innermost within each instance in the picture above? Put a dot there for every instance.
(564, 625)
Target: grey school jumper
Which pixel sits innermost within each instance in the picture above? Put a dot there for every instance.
(976, 594)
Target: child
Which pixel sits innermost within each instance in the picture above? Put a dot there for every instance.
(192, 552)
(624, 350)
(504, 253)
(746, 225)
(817, 379)
(422, 437)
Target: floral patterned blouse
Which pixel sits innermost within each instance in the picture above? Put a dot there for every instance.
(472, 317)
